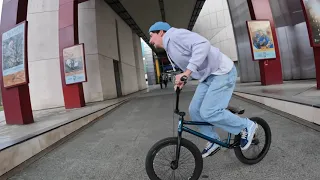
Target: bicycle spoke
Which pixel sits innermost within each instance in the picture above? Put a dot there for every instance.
(183, 174)
(173, 154)
(164, 164)
(168, 155)
(163, 172)
(186, 160)
(185, 170)
(183, 154)
(172, 175)
(180, 175)
(165, 157)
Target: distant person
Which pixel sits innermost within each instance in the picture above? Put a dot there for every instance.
(217, 77)
(165, 79)
(160, 81)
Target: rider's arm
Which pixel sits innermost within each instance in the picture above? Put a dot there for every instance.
(195, 45)
(188, 72)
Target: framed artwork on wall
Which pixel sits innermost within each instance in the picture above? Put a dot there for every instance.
(261, 40)
(74, 64)
(311, 10)
(14, 56)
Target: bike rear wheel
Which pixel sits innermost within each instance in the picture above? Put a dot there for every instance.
(167, 162)
(255, 145)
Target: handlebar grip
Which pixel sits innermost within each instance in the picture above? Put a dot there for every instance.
(184, 78)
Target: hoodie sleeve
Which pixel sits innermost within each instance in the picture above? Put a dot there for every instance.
(196, 45)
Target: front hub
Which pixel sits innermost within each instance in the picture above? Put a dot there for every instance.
(255, 141)
(174, 165)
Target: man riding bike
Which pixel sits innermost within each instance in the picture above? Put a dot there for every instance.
(217, 77)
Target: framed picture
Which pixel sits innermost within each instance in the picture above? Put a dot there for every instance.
(261, 40)
(14, 55)
(312, 14)
(74, 64)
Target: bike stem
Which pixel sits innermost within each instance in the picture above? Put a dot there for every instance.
(178, 90)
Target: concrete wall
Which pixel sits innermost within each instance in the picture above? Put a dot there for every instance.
(99, 36)
(151, 74)
(88, 36)
(107, 47)
(249, 69)
(297, 58)
(43, 54)
(97, 30)
(214, 23)
(129, 82)
(139, 61)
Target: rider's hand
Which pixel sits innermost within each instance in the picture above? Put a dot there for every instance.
(178, 82)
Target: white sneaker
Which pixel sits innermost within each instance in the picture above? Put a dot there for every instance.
(210, 148)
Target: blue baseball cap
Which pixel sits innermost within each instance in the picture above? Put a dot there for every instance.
(160, 26)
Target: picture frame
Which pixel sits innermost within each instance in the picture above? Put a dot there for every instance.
(14, 56)
(74, 64)
(261, 40)
(312, 17)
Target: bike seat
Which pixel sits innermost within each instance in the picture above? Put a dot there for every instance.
(236, 110)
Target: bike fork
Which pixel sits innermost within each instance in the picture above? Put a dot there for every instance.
(176, 161)
(178, 146)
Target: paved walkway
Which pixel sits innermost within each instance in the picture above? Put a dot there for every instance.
(114, 148)
(299, 91)
(46, 120)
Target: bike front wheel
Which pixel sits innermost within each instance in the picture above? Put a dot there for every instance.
(161, 160)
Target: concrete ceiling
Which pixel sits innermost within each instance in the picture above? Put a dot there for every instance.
(143, 13)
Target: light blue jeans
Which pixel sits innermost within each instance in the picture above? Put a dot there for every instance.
(209, 104)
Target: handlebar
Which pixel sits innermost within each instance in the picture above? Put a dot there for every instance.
(178, 90)
(184, 79)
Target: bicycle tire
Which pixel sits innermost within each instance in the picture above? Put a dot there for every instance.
(173, 141)
(267, 130)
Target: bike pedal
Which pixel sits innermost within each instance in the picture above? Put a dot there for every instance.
(215, 151)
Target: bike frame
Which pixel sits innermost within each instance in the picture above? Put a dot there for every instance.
(182, 127)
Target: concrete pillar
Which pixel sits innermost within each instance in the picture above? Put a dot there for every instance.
(44, 63)
(149, 64)
(127, 59)
(312, 37)
(107, 38)
(139, 61)
(68, 36)
(97, 32)
(16, 100)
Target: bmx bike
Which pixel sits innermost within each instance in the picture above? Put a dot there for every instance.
(177, 160)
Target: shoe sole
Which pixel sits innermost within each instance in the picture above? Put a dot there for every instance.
(210, 153)
(249, 142)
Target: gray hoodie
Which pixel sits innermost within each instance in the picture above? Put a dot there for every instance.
(191, 51)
